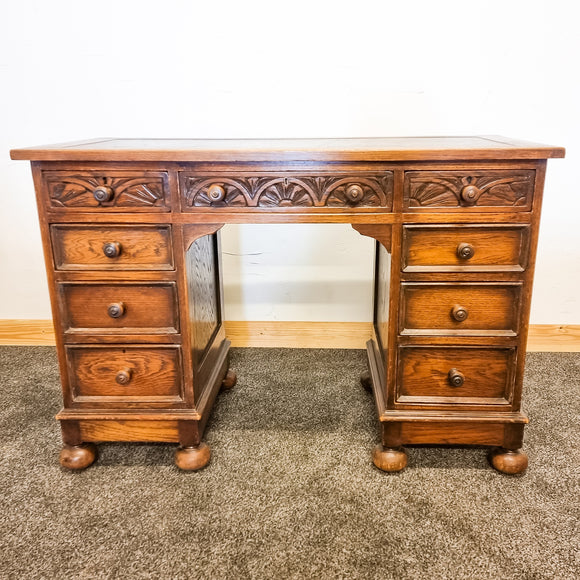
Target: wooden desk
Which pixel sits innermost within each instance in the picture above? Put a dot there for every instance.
(131, 239)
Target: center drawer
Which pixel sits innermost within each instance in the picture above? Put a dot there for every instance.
(284, 190)
(122, 308)
(482, 309)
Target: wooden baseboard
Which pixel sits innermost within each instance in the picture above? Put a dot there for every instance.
(542, 337)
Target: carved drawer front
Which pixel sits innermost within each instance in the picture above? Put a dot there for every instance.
(129, 375)
(286, 190)
(455, 375)
(119, 308)
(108, 247)
(479, 190)
(460, 309)
(461, 248)
(109, 191)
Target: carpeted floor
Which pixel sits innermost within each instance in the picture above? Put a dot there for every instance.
(291, 491)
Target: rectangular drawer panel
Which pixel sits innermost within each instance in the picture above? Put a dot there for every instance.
(274, 191)
(456, 309)
(475, 190)
(455, 375)
(119, 308)
(108, 247)
(107, 191)
(462, 248)
(127, 374)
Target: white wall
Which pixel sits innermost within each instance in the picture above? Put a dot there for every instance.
(71, 70)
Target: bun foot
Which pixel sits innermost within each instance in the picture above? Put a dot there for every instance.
(389, 459)
(366, 381)
(230, 380)
(192, 458)
(78, 456)
(510, 462)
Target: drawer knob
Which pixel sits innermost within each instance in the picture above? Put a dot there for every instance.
(124, 376)
(112, 249)
(459, 313)
(456, 378)
(103, 193)
(354, 193)
(470, 194)
(216, 192)
(116, 310)
(465, 251)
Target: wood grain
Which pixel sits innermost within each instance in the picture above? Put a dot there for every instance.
(146, 308)
(235, 150)
(437, 248)
(491, 308)
(81, 247)
(95, 430)
(154, 374)
(452, 434)
(424, 375)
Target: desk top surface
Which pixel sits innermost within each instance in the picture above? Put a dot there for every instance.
(257, 150)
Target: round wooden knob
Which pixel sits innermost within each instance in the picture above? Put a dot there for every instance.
(465, 251)
(470, 193)
(216, 192)
(112, 249)
(456, 378)
(116, 310)
(123, 377)
(459, 313)
(354, 193)
(103, 193)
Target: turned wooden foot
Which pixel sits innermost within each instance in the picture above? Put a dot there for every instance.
(389, 459)
(230, 380)
(507, 461)
(78, 456)
(192, 458)
(366, 381)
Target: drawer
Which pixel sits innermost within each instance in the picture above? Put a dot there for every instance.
(127, 374)
(108, 247)
(107, 191)
(121, 308)
(478, 190)
(462, 248)
(463, 308)
(299, 190)
(455, 375)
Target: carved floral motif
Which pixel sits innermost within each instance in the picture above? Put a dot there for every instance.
(458, 189)
(76, 190)
(290, 191)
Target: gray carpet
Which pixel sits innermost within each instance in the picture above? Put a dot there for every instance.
(291, 491)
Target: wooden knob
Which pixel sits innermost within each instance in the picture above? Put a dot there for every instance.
(123, 377)
(116, 310)
(470, 193)
(459, 313)
(103, 193)
(465, 251)
(456, 378)
(354, 193)
(112, 249)
(216, 192)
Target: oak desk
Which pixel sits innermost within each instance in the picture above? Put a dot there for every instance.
(130, 230)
